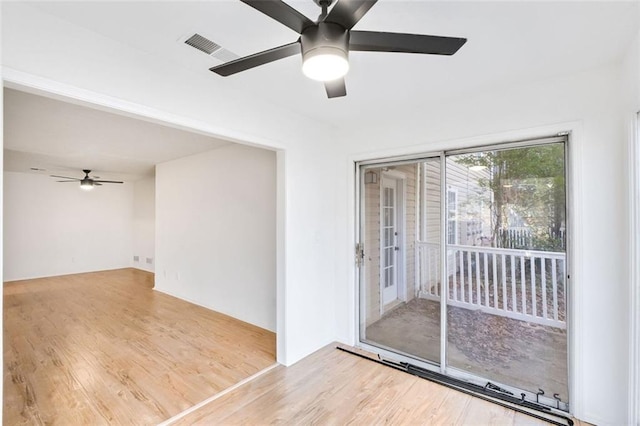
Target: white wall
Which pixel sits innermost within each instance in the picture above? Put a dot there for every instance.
(630, 85)
(144, 224)
(216, 232)
(55, 228)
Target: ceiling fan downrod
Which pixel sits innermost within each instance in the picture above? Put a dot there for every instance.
(324, 4)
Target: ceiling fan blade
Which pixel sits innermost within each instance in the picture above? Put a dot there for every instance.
(281, 12)
(65, 177)
(372, 41)
(106, 181)
(347, 13)
(257, 59)
(67, 181)
(97, 184)
(335, 88)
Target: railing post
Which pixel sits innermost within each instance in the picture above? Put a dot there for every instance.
(453, 275)
(534, 302)
(523, 285)
(495, 282)
(513, 284)
(543, 285)
(478, 292)
(470, 276)
(504, 282)
(554, 283)
(461, 274)
(486, 279)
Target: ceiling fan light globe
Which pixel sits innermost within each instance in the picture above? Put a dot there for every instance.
(325, 64)
(86, 185)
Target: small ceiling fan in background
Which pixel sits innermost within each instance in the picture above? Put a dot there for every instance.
(325, 43)
(87, 183)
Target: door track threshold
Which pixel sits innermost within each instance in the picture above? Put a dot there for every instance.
(529, 408)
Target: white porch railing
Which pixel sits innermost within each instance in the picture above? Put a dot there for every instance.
(519, 284)
(514, 237)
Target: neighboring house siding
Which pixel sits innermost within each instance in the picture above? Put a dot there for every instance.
(464, 182)
(372, 249)
(431, 204)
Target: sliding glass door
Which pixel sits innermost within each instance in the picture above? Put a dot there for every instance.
(484, 232)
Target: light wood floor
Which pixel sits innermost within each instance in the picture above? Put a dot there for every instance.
(103, 348)
(337, 388)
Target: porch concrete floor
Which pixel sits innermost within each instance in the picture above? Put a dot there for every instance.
(526, 355)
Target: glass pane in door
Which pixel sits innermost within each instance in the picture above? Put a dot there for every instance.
(506, 266)
(400, 277)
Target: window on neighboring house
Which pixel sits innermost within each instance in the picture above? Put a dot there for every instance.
(452, 213)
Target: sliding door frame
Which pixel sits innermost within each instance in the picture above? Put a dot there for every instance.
(634, 273)
(564, 137)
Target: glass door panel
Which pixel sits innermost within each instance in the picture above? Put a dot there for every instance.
(506, 267)
(400, 274)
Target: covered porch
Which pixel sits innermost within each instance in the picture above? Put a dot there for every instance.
(506, 315)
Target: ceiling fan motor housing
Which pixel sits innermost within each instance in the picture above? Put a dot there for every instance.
(324, 35)
(326, 38)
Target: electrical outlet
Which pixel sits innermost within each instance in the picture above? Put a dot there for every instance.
(149, 260)
(136, 258)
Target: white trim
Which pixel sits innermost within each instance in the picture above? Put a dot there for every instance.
(634, 271)
(444, 265)
(281, 256)
(45, 87)
(400, 180)
(575, 310)
(456, 229)
(359, 237)
(216, 396)
(417, 234)
(381, 266)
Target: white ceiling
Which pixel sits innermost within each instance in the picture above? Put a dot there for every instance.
(64, 138)
(509, 42)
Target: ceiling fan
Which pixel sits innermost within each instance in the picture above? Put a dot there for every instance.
(325, 43)
(87, 183)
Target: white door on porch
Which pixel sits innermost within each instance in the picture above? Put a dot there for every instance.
(389, 240)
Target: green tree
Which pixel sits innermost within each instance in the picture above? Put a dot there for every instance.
(529, 182)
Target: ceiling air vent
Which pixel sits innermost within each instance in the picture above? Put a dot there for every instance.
(211, 48)
(202, 43)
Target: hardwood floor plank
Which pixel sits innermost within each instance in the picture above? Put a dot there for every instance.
(331, 387)
(104, 348)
